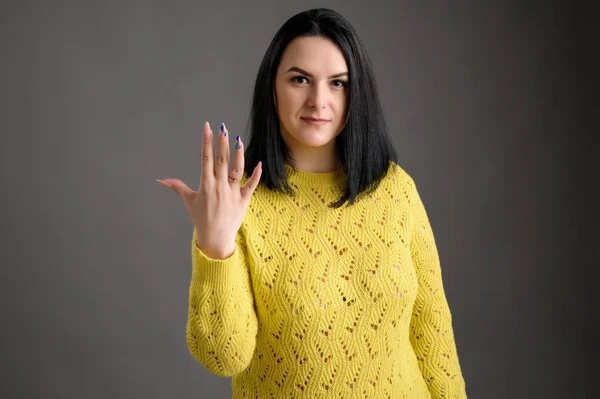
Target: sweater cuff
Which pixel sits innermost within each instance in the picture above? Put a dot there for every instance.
(218, 272)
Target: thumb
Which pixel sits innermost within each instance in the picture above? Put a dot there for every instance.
(180, 188)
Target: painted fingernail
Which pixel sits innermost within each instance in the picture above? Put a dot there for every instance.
(222, 126)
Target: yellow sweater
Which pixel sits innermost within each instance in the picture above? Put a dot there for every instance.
(327, 303)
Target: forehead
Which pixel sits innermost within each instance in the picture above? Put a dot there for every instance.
(315, 54)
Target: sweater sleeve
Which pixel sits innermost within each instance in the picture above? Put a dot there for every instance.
(431, 332)
(222, 324)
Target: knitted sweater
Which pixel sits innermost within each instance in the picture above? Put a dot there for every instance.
(317, 302)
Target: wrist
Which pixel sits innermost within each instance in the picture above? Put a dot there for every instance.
(217, 253)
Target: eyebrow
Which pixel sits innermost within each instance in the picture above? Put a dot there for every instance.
(302, 71)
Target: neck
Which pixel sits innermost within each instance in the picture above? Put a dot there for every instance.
(321, 159)
(316, 165)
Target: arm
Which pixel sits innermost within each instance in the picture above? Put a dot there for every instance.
(431, 332)
(222, 325)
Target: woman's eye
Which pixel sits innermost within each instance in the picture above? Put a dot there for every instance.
(297, 78)
(337, 83)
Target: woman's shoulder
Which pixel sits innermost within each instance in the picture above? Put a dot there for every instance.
(398, 176)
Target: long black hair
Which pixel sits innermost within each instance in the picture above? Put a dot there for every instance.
(363, 146)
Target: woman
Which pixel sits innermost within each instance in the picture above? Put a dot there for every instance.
(315, 271)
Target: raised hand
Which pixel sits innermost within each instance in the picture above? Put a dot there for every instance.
(218, 207)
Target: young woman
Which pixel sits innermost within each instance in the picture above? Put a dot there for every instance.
(314, 267)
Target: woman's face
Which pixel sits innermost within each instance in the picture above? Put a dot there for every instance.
(311, 83)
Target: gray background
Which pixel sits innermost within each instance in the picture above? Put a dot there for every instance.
(100, 98)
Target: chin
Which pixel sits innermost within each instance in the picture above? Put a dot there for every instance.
(311, 136)
(314, 140)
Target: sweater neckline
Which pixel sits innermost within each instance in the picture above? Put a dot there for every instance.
(315, 179)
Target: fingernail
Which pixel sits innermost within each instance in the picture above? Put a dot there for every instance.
(222, 126)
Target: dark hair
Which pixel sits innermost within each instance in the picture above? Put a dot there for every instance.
(363, 146)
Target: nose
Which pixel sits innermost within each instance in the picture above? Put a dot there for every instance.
(317, 99)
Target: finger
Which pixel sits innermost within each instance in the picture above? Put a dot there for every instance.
(252, 182)
(186, 194)
(163, 183)
(207, 172)
(222, 158)
(237, 166)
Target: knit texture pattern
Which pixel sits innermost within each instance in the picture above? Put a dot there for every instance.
(317, 302)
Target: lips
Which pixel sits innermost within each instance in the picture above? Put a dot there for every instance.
(315, 121)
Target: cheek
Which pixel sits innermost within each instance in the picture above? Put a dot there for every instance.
(343, 99)
(290, 103)
(340, 106)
